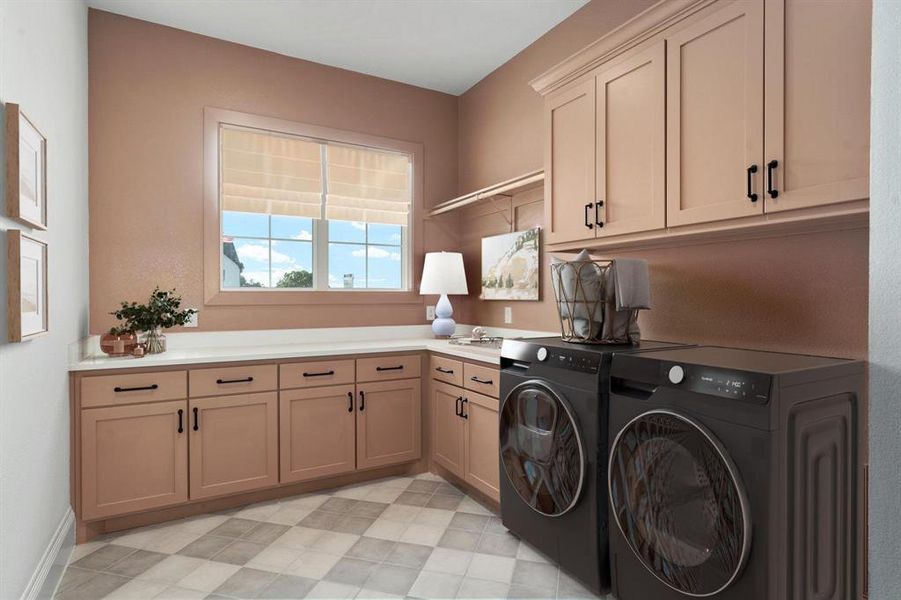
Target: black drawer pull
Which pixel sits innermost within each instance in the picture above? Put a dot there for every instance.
(597, 217)
(482, 381)
(362, 401)
(181, 426)
(770, 168)
(587, 224)
(443, 370)
(458, 410)
(322, 374)
(196, 420)
(245, 380)
(136, 389)
(397, 368)
(751, 195)
(350, 401)
(463, 412)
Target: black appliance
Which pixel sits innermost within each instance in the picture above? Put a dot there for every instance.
(553, 446)
(734, 474)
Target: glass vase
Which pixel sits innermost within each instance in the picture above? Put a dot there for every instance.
(155, 341)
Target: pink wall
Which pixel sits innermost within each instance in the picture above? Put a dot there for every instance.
(148, 87)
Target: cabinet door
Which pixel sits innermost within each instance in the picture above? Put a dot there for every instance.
(482, 444)
(234, 443)
(631, 144)
(133, 458)
(318, 432)
(715, 115)
(388, 422)
(570, 164)
(448, 443)
(817, 101)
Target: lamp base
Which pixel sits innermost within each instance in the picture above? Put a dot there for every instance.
(443, 325)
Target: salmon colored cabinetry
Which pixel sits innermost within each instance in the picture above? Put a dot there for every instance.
(388, 422)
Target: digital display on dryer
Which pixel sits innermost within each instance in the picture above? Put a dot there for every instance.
(737, 385)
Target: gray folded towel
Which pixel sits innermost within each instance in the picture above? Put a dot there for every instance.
(632, 283)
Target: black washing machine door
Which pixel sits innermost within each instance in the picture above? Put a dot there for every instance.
(679, 502)
(541, 448)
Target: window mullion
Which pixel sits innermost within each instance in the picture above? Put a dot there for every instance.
(320, 229)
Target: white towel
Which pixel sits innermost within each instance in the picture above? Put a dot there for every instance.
(632, 283)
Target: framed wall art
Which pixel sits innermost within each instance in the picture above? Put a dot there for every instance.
(26, 169)
(26, 307)
(510, 266)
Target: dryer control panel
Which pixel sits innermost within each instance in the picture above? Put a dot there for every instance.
(724, 383)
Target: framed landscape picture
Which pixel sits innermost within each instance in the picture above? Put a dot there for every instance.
(26, 305)
(26, 169)
(511, 266)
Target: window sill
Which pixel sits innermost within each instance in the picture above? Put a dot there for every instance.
(310, 297)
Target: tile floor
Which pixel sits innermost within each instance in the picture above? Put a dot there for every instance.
(393, 538)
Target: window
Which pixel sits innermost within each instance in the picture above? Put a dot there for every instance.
(302, 213)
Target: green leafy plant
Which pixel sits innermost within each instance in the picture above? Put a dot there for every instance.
(162, 310)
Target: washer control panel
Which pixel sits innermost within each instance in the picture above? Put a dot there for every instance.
(735, 385)
(585, 362)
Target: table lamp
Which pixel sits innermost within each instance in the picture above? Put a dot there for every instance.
(443, 274)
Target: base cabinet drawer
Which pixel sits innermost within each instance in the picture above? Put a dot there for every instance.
(389, 429)
(316, 373)
(385, 368)
(483, 380)
(233, 380)
(132, 388)
(318, 432)
(233, 443)
(133, 458)
(447, 370)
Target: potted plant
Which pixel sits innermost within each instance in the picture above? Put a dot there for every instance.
(119, 341)
(162, 311)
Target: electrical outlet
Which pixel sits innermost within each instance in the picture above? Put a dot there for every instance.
(430, 313)
(508, 314)
(192, 320)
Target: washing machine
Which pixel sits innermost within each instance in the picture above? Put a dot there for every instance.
(553, 443)
(735, 474)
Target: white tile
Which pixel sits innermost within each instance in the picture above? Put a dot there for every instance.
(137, 538)
(313, 565)
(333, 542)
(82, 550)
(288, 515)
(482, 589)
(328, 589)
(468, 505)
(398, 482)
(526, 552)
(401, 512)
(429, 477)
(384, 494)
(208, 576)
(258, 512)
(435, 585)
(311, 502)
(171, 541)
(275, 559)
(138, 589)
(172, 569)
(203, 524)
(354, 493)
(385, 529)
(434, 517)
(447, 560)
(426, 535)
(178, 593)
(365, 594)
(491, 567)
(299, 538)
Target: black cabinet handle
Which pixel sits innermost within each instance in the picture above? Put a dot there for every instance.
(597, 218)
(322, 374)
(770, 170)
(397, 368)
(181, 426)
(362, 401)
(587, 224)
(350, 401)
(245, 380)
(751, 195)
(196, 420)
(136, 389)
(463, 412)
(443, 370)
(482, 381)
(458, 408)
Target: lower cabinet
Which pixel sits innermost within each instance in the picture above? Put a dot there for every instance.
(133, 458)
(389, 417)
(234, 443)
(318, 432)
(448, 435)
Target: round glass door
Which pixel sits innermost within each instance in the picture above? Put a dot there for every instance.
(679, 502)
(541, 449)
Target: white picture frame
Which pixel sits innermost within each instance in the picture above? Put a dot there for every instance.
(511, 266)
(27, 301)
(26, 170)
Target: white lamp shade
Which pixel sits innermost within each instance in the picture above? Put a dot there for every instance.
(443, 273)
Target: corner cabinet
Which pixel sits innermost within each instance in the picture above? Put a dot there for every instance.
(709, 115)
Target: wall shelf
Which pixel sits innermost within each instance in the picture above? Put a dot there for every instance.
(506, 188)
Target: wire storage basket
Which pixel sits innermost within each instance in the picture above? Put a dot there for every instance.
(586, 304)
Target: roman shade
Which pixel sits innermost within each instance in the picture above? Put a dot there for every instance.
(264, 172)
(368, 185)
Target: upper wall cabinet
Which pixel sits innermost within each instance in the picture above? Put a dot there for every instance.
(817, 143)
(715, 116)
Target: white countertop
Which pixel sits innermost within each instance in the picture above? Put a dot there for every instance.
(200, 348)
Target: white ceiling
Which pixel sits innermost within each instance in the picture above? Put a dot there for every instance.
(444, 45)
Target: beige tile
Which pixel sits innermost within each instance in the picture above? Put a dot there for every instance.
(355, 525)
(429, 477)
(482, 589)
(408, 555)
(365, 594)
(313, 565)
(265, 533)
(399, 483)
(351, 571)
(333, 542)
(392, 579)
(172, 541)
(102, 584)
(246, 583)
(208, 576)
(383, 494)
(368, 509)
(434, 517)
(371, 549)
(239, 552)
(179, 593)
(459, 540)
(413, 499)
(401, 512)
(299, 538)
(206, 547)
(288, 586)
(321, 519)
(138, 589)
(172, 569)
(289, 515)
(73, 577)
(468, 505)
(430, 584)
(258, 512)
(310, 502)
(275, 559)
(491, 567)
(327, 590)
(203, 524)
(526, 552)
(136, 563)
(468, 522)
(82, 550)
(104, 557)
(422, 534)
(354, 493)
(447, 560)
(444, 502)
(137, 538)
(426, 486)
(338, 505)
(234, 528)
(535, 575)
(522, 592)
(571, 589)
(501, 544)
(385, 529)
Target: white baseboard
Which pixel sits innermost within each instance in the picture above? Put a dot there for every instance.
(46, 578)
